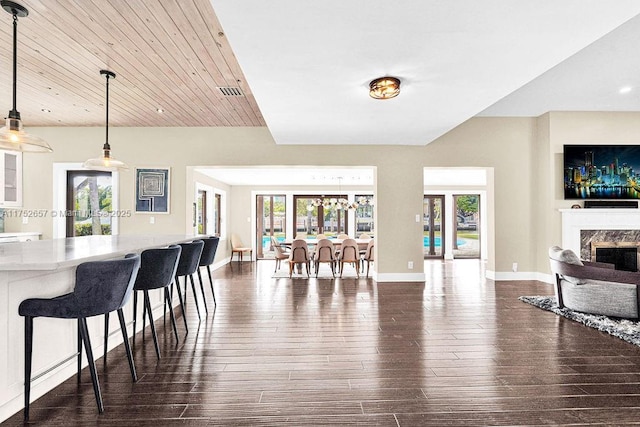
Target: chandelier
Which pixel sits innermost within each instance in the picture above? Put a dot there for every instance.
(339, 203)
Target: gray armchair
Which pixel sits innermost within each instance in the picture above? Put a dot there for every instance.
(593, 287)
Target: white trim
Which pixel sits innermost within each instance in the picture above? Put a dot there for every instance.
(398, 277)
(508, 275)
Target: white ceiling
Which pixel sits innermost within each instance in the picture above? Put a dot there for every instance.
(292, 175)
(309, 63)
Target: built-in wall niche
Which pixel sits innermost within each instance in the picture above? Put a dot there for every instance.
(10, 179)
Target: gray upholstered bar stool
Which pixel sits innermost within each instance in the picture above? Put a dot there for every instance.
(101, 287)
(206, 259)
(157, 270)
(187, 265)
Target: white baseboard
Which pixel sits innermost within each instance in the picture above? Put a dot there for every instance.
(398, 277)
(521, 275)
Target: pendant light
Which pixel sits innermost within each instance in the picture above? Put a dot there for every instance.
(106, 162)
(12, 136)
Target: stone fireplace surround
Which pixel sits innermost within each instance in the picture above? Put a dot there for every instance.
(584, 228)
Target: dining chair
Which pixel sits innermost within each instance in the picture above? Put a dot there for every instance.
(349, 254)
(325, 252)
(237, 247)
(368, 255)
(100, 287)
(279, 251)
(343, 236)
(299, 256)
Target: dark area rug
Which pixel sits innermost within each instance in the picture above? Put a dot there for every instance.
(625, 329)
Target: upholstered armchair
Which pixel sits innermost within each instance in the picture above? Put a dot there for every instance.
(593, 287)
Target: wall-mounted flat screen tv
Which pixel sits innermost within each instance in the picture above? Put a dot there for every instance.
(602, 171)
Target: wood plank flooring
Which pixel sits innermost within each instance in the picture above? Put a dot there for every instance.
(455, 350)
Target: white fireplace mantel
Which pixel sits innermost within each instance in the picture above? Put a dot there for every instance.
(574, 220)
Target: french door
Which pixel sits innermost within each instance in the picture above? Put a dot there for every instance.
(433, 220)
(270, 222)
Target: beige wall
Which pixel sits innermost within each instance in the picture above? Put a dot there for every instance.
(524, 155)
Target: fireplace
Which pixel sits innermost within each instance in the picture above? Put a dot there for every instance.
(610, 230)
(624, 255)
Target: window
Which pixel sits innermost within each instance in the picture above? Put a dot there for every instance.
(364, 215)
(314, 220)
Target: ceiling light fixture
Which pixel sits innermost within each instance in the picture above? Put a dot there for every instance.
(12, 136)
(625, 89)
(339, 203)
(106, 162)
(384, 88)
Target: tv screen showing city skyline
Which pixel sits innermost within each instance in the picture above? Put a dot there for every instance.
(601, 172)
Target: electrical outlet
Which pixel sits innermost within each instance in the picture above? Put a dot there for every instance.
(514, 267)
(410, 265)
(152, 220)
(25, 220)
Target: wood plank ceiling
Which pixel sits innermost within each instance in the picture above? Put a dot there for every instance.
(168, 54)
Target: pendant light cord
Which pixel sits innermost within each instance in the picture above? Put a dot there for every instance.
(14, 113)
(106, 143)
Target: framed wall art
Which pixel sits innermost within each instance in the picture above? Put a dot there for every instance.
(152, 190)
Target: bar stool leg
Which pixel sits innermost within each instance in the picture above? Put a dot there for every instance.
(92, 364)
(28, 353)
(193, 288)
(79, 376)
(106, 340)
(184, 314)
(167, 298)
(127, 347)
(147, 304)
(135, 316)
(204, 296)
(211, 283)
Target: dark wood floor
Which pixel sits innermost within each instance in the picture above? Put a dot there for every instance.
(457, 350)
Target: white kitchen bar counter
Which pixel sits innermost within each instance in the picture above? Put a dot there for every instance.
(46, 268)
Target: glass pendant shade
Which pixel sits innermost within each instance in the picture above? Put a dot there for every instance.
(12, 136)
(106, 163)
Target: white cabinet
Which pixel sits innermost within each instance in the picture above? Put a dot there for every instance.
(10, 178)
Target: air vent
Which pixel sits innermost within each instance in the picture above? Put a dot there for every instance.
(231, 91)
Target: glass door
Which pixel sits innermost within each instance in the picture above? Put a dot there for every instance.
(271, 220)
(433, 244)
(201, 212)
(88, 203)
(466, 238)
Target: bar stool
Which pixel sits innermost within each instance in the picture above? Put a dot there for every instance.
(101, 287)
(157, 269)
(206, 259)
(187, 265)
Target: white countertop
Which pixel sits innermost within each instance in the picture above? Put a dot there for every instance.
(21, 233)
(57, 253)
